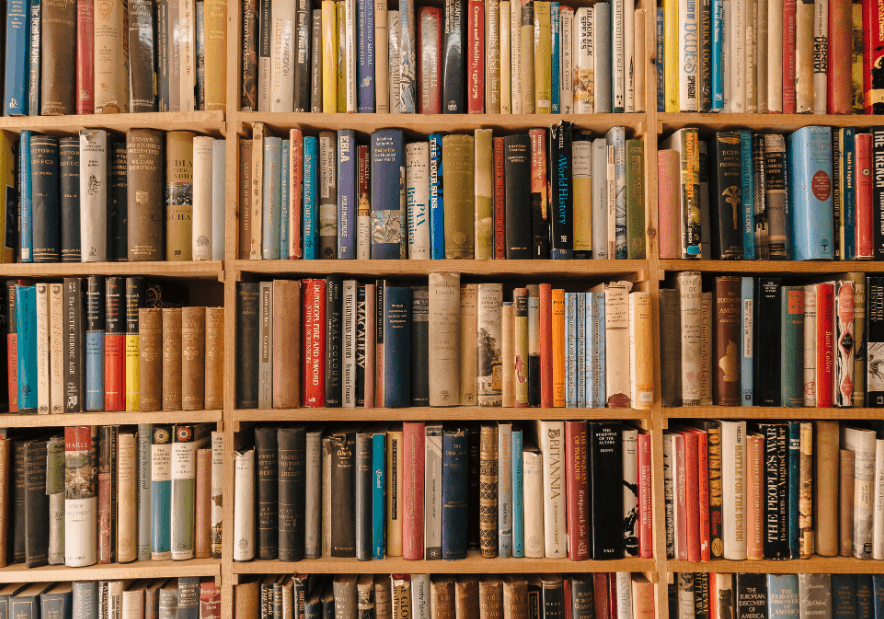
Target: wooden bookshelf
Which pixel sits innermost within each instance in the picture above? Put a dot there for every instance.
(203, 270)
(112, 571)
(123, 418)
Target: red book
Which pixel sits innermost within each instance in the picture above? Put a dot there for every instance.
(645, 506)
(873, 51)
(713, 598)
(210, 600)
(577, 489)
(825, 345)
(788, 56)
(499, 201)
(600, 596)
(314, 343)
(296, 171)
(413, 491)
(612, 595)
(115, 345)
(430, 62)
(703, 493)
(476, 57)
(692, 495)
(840, 57)
(865, 247)
(85, 46)
(566, 588)
(681, 516)
(546, 358)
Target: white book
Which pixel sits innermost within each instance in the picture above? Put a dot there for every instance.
(629, 54)
(616, 339)
(566, 61)
(630, 480)
(43, 380)
(282, 56)
(862, 443)
(602, 53)
(506, 77)
(688, 59)
(202, 197)
(678, 490)
(351, 28)
(611, 198)
(551, 435)
(584, 64)
(532, 471)
(417, 183)
(244, 505)
(505, 489)
(348, 373)
(638, 59)
(668, 495)
(393, 55)
(599, 198)
(804, 18)
(187, 45)
(751, 56)
(738, 56)
(127, 506)
(381, 57)
(733, 483)
(774, 56)
(623, 590)
(420, 596)
(93, 195)
(516, 56)
(878, 513)
(217, 490)
(761, 56)
(114, 600)
(810, 345)
(690, 292)
(821, 61)
(686, 604)
(219, 200)
(56, 358)
(133, 604)
(433, 493)
(618, 56)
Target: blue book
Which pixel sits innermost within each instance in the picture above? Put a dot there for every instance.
(26, 218)
(792, 528)
(748, 213)
(378, 505)
(660, 61)
(616, 137)
(747, 312)
(455, 464)
(310, 223)
(313, 602)
(95, 334)
(161, 493)
(878, 594)
(571, 349)
(717, 56)
(388, 227)
(34, 59)
(782, 595)
(556, 55)
(407, 57)
(272, 188)
(284, 197)
(595, 350)
(57, 602)
(397, 344)
(847, 167)
(843, 596)
(505, 490)
(580, 352)
(26, 328)
(365, 71)
(865, 604)
(437, 212)
(810, 193)
(346, 194)
(602, 57)
(518, 496)
(15, 94)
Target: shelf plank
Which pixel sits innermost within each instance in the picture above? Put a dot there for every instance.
(779, 123)
(201, 122)
(774, 267)
(109, 418)
(205, 269)
(814, 565)
(769, 412)
(112, 571)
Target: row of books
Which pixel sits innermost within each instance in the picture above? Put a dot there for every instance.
(71, 58)
(188, 597)
(82, 495)
(769, 56)
(810, 196)
(726, 596)
(773, 490)
(152, 196)
(445, 344)
(556, 193)
(497, 57)
(611, 595)
(761, 342)
(428, 491)
(90, 344)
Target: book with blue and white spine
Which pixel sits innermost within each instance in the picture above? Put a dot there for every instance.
(366, 54)
(417, 163)
(310, 222)
(271, 192)
(595, 350)
(616, 137)
(437, 212)
(581, 350)
(407, 57)
(810, 156)
(388, 211)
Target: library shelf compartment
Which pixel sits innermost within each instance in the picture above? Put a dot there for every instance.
(780, 123)
(112, 571)
(123, 418)
(769, 412)
(814, 565)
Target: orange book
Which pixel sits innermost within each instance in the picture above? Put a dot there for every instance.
(558, 347)
(755, 497)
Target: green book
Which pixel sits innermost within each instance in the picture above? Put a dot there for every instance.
(635, 200)
(792, 346)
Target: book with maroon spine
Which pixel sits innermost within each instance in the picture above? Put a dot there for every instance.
(107, 493)
(413, 436)
(873, 53)
(430, 25)
(313, 380)
(85, 94)
(210, 600)
(727, 386)
(546, 356)
(476, 56)
(115, 344)
(692, 495)
(825, 345)
(602, 609)
(645, 504)
(576, 490)
(789, 15)
(840, 99)
(499, 200)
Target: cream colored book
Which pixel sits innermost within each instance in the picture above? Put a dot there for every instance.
(549, 435)
(132, 600)
(417, 183)
(629, 58)
(257, 203)
(394, 493)
(804, 57)
(526, 68)
(516, 55)
(381, 57)
(542, 58)
(201, 246)
(532, 501)
(351, 29)
(56, 358)
(93, 194)
(641, 354)
(244, 505)
(617, 368)
(444, 289)
(737, 56)
(127, 482)
(492, 56)
(282, 58)
(639, 59)
(566, 60)
(761, 55)
(506, 74)
(341, 24)
(774, 51)
(484, 194)
(751, 56)
(187, 53)
(584, 63)
(468, 332)
(110, 57)
(707, 345)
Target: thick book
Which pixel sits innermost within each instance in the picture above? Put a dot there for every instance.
(45, 198)
(458, 164)
(81, 496)
(161, 492)
(810, 153)
(606, 473)
(388, 205)
(397, 340)
(767, 358)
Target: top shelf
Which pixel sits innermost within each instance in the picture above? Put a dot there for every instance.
(202, 122)
(204, 269)
(781, 123)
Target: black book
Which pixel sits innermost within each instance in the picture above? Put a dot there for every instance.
(751, 596)
(776, 483)
(701, 595)
(364, 488)
(553, 592)
(473, 487)
(267, 492)
(342, 445)
(36, 511)
(163, 42)
(877, 189)
(539, 204)
(73, 299)
(44, 197)
(17, 529)
(582, 597)
(117, 204)
(454, 57)
(672, 597)
(361, 317)
(247, 323)
(420, 346)
(561, 193)
(670, 346)
(606, 488)
(334, 310)
(535, 598)
(69, 192)
(759, 198)
(874, 341)
(517, 174)
(726, 195)
(304, 17)
(534, 348)
(767, 329)
(865, 596)
(292, 458)
(844, 603)
(188, 597)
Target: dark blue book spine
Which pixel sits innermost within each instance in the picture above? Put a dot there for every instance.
(188, 597)
(397, 346)
(284, 201)
(346, 194)
(313, 609)
(310, 223)
(15, 96)
(561, 194)
(865, 606)
(792, 500)
(25, 215)
(878, 591)
(95, 333)
(365, 72)
(45, 200)
(56, 605)
(454, 59)
(748, 214)
(34, 59)
(378, 504)
(844, 596)
(437, 211)
(26, 329)
(455, 466)
(388, 233)
(848, 193)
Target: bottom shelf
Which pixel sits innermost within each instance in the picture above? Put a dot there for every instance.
(18, 572)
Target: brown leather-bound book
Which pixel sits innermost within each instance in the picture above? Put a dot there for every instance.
(58, 57)
(150, 359)
(193, 358)
(171, 358)
(144, 161)
(515, 597)
(726, 387)
(286, 354)
(442, 597)
(488, 491)
(466, 597)
(846, 465)
(243, 209)
(245, 600)
(670, 347)
(142, 52)
(490, 598)
(203, 507)
(825, 508)
(383, 597)
(215, 357)
(179, 195)
(5, 511)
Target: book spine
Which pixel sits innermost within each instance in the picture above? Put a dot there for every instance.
(437, 204)
(244, 507)
(366, 69)
(35, 14)
(81, 501)
(144, 491)
(388, 200)
(492, 63)
(363, 202)
(561, 191)
(17, 40)
(346, 208)
(111, 68)
(688, 61)
(499, 209)
(506, 51)
(161, 492)
(488, 481)
(577, 490)
(475, 56)
(417, 192)
(107, 493)
(454, 63)
(484, 194)
(825, 345)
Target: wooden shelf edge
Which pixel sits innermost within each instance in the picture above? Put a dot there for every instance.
(784, 267)
(109, 418)
(112, 571)
(814, 565)
(781, 123)
(207, 269)
(770, 412)
(202, 122)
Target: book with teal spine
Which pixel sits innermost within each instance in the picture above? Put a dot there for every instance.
(161, 494)
(183, 491)
(378, 520)
(284, 198)
(810, 189)
(310, 221)
(782, 595)
(556, 55)
(518, 495)
(26, 329)
(272, 187)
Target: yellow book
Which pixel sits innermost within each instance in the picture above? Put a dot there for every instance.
(670, 42)
(581, 157)
(381, 57)
(641, 370)
(133, 350)
(506, 78)
(484, 194)
(542, 60)
(341, 23)
(527, 69)
(394, 492)
(558, 347)
(257, 203)
(7, 176)
(329, 57)
(216, 54)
